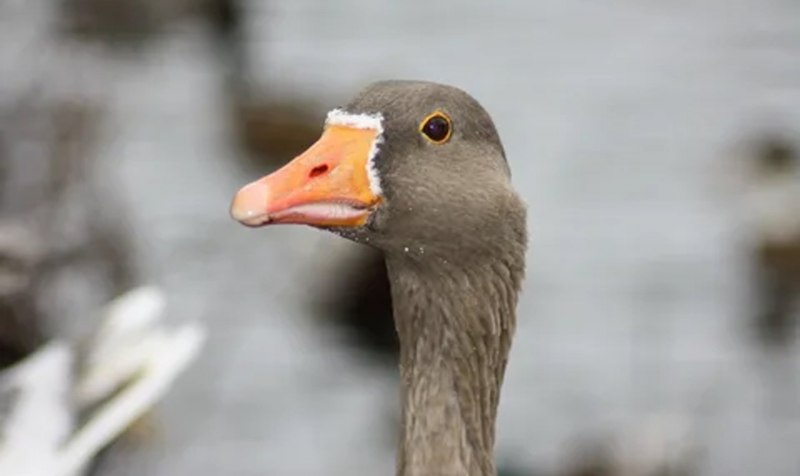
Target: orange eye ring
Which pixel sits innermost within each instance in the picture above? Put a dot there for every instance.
(436, 127)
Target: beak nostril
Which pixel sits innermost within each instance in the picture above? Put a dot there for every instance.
(318, 170)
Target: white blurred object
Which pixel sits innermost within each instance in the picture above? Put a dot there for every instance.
(772, 206)
(653, 445)
(659, 445)
(41, 396)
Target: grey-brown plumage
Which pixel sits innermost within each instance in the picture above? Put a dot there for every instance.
(454, 235)
(436, 199)
(776, 253)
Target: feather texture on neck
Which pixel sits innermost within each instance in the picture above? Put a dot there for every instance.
(455, 325)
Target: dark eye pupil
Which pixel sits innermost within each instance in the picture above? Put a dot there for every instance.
(436, 128)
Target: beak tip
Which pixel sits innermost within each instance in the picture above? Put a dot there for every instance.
(249, 205)
(240, 214)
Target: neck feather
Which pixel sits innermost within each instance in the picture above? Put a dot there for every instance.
(455, 325)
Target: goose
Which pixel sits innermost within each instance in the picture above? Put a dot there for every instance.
(417, 170)
(771, 205)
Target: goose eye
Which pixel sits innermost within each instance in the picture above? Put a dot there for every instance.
(436, 128)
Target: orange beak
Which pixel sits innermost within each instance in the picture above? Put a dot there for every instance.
(327, 185)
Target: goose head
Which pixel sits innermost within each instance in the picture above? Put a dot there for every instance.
(413, 168)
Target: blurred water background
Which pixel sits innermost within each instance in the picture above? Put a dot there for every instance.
(629, 127)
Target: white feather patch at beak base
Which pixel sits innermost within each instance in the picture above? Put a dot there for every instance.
(339, 117)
